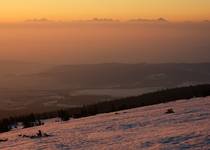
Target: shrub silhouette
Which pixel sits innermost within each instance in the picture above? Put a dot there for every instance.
(30, 121)
(64, 115)
(5, 125)
(170, 111)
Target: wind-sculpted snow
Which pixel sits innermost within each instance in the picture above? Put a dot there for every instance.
(141, 128)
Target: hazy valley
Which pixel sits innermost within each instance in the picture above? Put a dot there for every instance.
(31, 87)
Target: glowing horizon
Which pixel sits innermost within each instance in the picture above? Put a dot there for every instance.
(66, 10)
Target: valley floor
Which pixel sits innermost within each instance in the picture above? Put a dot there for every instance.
(140, 128)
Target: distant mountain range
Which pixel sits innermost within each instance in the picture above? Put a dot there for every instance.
(159, 20)
(110, 75)
(127, 75)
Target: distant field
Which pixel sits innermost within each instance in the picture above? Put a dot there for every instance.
(19, 102)
(116, 93)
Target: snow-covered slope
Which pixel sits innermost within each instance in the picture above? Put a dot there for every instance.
(140, 128)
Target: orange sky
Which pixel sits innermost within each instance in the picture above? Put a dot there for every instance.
(18, 10)
(81, 42)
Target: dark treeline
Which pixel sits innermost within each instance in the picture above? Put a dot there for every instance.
(153, 98)
(27, 121)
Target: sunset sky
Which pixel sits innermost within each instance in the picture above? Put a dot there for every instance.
(183, 38)
(18, 10)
